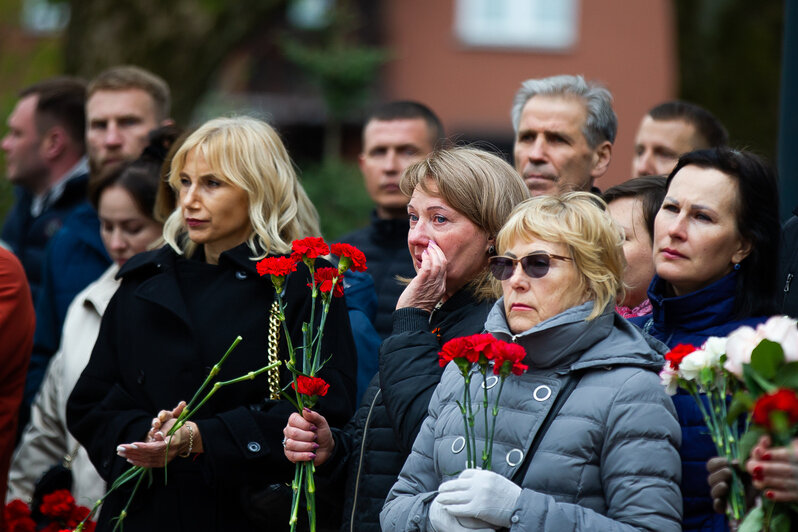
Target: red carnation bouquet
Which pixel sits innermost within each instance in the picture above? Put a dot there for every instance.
(305, 361)
(476, 354)
(59, 510)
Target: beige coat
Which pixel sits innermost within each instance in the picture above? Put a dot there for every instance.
(46, 440)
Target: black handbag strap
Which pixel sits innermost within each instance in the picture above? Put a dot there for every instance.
(570, 383)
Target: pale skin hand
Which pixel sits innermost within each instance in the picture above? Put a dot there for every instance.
(428, 287)
(308, 437)
(774, 470)
(151, 452)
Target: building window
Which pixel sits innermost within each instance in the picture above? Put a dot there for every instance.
(545, 24)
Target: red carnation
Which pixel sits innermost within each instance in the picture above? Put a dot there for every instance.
(350, 257)
(507, 358)
(58, 504)
(25, 524)
(454, 348)
(782, 400)
(309, 248)
(324, 278)
(311, 385)
(677, 354)
(16, 509)
(277, 266)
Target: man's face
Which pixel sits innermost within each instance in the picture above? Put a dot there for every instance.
(659, 143)
(390, 146)
(551, 152)
(24, 164)
(117, 125)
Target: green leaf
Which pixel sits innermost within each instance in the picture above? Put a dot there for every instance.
(748, 440)
(780, 522)
(752, 521)
(741, 403)
(766, 358)
(787, 376)
(751, 381)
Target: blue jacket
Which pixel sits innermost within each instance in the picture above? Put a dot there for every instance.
(691, 319)
(74, 258)
(28, 235)
(361, 303)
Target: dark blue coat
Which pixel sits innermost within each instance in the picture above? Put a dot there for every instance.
(691, 319)
(28, 236)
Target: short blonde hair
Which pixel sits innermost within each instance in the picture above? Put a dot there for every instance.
(580, 221)
(249, 154)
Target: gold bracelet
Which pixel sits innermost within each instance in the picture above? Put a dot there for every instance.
(190, 442)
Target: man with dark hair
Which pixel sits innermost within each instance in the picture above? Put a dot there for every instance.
(45, 158)
(670, 130)
(396, 135)
(564, 131)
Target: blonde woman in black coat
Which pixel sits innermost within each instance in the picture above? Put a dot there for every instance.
(177, 310)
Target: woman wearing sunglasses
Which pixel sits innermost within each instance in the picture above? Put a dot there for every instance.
(716, 241)
(459, 199)
(587, 439)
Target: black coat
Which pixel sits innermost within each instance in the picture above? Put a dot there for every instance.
(150, 354)
(789, 265)
(374, 445)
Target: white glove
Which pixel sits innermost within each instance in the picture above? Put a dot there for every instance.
(480, 494)
(442, 521)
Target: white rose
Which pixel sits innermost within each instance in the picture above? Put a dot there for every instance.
(692, 364)
(783, 331)
(715, 347)
(739, 346)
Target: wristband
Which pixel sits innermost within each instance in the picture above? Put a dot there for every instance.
(190, 442)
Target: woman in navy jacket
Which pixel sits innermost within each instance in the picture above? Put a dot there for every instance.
(716, 241)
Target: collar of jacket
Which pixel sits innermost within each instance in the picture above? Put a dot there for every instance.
(696, 311)
(391, 229)
(159, 285)
(99, 293)
(569, 342)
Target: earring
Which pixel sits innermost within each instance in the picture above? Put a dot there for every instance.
(737, 267)
(491, 251)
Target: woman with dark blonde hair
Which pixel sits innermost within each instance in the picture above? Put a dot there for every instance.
(177, 311)
(459, 199)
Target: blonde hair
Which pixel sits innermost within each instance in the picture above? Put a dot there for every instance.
(581, 222)
(479, 185)
(249, 154)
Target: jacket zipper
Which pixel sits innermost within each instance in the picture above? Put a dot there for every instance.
(787, 285)
(360, 460)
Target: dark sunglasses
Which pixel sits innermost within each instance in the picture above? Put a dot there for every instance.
(535, 265)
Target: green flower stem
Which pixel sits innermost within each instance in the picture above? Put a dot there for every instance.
(483, 368)
(120, 519)
(470, 429)
(310, 495)
(295, 500)
(214, 371)
(495, 413)
(248, 377)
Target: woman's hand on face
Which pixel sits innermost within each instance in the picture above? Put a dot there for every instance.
(774, 470)
(163, 449)
(308, 437)
(429, 285)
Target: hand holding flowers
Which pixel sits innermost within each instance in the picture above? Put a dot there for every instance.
(305, 361)
(477, 353)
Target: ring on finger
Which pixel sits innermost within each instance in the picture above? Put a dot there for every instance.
(284, 441)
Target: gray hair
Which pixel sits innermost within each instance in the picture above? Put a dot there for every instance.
(601, 123)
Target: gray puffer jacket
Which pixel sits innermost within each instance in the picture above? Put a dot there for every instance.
(609, 460)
